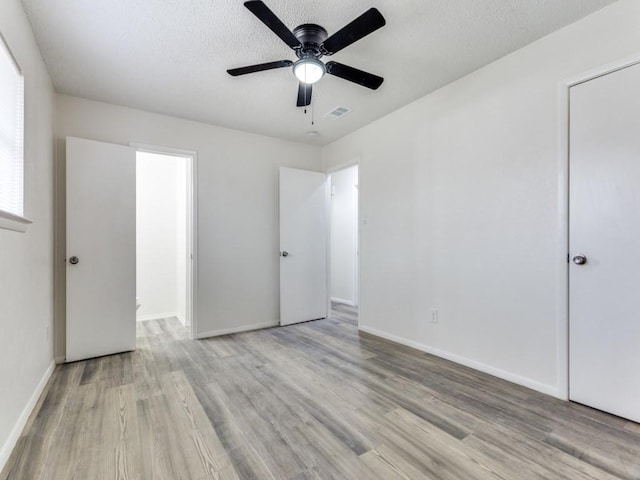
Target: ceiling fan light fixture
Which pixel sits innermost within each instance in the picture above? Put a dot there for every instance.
(309, 70)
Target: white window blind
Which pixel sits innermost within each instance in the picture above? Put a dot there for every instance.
(11, 133)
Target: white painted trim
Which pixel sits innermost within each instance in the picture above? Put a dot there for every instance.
(60, 360)
(327, 258)
(16, 431)
(163, 150)
(482, 367)
(156, 316)
(602, 70)
(192, 316)
(244, 328)
(351, 303)
(9, 221)
(562, 272)
(356, 242)
(181, 319)
(5, 45)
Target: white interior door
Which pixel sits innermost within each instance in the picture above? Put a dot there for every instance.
(605, 229)
(101, 248)
(303, 245)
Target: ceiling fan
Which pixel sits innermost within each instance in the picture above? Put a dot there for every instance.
(310, 43)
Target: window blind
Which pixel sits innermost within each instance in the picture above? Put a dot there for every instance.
(11, 133)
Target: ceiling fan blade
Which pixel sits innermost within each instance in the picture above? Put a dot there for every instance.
(304, 95)
(259, 68)
(354, 75)
(266, 16)
(368, 22)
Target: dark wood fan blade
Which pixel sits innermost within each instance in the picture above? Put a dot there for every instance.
(266, 16)
(304, 95)
(259, 68)
(368, 22)
(354, 75)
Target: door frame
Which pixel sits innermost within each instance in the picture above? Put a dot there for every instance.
(564, 158)
(191, 157)
(336, 168)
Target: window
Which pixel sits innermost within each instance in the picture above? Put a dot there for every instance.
(11, 135)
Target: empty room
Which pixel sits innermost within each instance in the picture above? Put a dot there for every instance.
(319, 240)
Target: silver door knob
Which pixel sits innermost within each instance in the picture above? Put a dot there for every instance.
(74, 260)
(579, 259)
(284, 254)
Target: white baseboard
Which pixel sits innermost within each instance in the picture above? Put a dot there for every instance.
(14, 436)
(60, 360)
(156, 316)
(244, 328)
(181, 319)
(351, 303)
(467, 362)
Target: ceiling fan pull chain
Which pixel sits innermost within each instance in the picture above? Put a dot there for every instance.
(306, 88)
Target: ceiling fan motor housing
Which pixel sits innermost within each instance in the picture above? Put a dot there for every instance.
(311, 36)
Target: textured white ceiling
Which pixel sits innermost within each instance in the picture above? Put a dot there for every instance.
(171, 56)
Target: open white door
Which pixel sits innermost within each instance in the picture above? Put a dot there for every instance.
(303, 245)
(101, 249)
(604, 274)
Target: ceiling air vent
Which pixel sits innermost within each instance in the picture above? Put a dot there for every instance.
(337, 113)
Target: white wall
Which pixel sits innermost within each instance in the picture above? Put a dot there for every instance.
(344, 215)
(238, 263)
(460, 192)
(26, 259)
(160, 235)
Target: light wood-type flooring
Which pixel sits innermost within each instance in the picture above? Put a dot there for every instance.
(311, 401)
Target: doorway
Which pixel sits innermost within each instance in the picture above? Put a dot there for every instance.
(344, 241)
(164, 236)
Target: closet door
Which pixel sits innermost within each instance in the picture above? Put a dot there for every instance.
(604, 269)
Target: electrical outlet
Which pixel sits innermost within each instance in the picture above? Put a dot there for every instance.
(434, 315)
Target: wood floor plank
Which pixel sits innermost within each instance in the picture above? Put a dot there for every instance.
(388, 464)
(446, 458)
(260, 417)
(515, 454)
(65, 454)
(162, 451)
(206, 450)
(121, 431)
(328, 454)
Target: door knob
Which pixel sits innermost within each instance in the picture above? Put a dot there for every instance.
(73, 260)
(284, 254)
(579, 259)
